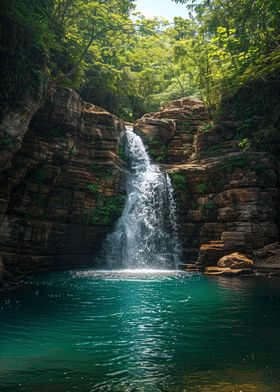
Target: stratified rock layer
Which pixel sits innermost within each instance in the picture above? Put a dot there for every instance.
(228, 199)
(169, 134)
(62, 191)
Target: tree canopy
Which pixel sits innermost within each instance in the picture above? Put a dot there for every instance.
(131, 64)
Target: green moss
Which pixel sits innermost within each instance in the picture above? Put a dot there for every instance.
(208, 206)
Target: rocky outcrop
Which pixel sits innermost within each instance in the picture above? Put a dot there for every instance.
(232, 265)
(62, 191)
(228, 198)
(169, 134)
(268, 259)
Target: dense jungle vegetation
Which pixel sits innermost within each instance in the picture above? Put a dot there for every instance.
(129, 64)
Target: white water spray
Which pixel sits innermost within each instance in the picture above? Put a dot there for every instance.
(146, 234)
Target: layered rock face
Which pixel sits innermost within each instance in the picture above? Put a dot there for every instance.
(228, 199)
(62, 175)
(169, 134)
(62, 191)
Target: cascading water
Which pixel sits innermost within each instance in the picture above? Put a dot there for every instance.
(146, 234)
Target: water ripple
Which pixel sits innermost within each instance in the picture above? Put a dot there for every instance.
(149, 331)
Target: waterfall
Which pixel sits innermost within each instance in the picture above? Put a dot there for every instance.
(146, 234)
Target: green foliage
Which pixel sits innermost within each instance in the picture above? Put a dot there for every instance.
(72, 151)
(228, 43)
(109, 208)
(160, 158)
(179, 182)
(208, 206)
(24, 39)
(105, 210)
(202, 187)
(132, 65)
(94, 188)
(207, 127)
(121, 153)
(231, 164)
(244, 144)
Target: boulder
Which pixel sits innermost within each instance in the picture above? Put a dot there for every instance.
(153, 130)
(235, 261)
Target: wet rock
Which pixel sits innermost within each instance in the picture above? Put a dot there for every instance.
(189, 267)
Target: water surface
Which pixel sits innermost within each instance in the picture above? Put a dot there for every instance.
(132, 331)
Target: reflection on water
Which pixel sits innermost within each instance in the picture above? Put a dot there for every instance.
(133, 331)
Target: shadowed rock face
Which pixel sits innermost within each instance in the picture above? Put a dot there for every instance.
(62, 192)
(228, 199)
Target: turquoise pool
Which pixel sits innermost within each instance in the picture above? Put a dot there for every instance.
(134, 331)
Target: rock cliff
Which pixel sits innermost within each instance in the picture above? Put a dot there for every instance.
(228, 199)
(62, 175)
(60, 188)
